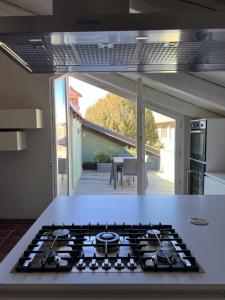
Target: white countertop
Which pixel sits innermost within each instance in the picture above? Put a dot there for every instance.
(217, 176)
(207, 243)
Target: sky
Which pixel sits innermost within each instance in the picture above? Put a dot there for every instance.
(90, 94)
(60, 100)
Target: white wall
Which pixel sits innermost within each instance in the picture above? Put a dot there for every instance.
(25, 177)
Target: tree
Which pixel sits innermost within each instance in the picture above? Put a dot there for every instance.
(119, 114)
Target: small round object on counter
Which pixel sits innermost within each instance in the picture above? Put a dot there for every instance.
(198, 221)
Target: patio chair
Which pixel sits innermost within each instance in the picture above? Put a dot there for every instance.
(119, 169)
(129, 168)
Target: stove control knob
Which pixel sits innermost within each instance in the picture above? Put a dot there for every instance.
(93, 264)
(106, 264)
(131, 264)
(81, 264)
(119, 265)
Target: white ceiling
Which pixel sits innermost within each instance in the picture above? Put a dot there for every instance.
(197, 90)
(177, 5)
(7, 10)
(215, 77)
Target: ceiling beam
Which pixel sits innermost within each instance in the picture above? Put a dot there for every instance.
(215, 77)
(213, 5)
(8, 9)
(126, 87)
(189, 88)
(151, 6)
(40, 7)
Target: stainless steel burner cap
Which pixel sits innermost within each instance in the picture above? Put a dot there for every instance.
(61, 233)
(109, 237)
(164, 255)
(152, 233)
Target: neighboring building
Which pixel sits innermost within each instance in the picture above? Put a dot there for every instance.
(96, 138)
(74, 98)
(76, 136)
(75, 145)
(61, 134)
(166, 130)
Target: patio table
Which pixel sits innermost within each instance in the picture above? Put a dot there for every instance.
(118, 161)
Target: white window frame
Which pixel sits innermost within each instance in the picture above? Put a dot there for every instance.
(54, 151)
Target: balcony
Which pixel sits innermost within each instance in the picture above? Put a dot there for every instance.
(97, 183)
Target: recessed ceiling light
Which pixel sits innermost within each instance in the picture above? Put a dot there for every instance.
(141, 38)
(132, 68)
(105, 45)
(35, 40)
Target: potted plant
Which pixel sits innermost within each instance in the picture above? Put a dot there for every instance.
(89, 166)
(103, 160)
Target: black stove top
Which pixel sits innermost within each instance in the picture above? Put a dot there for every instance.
(107, 248)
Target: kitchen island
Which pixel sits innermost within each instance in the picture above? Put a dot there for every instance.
(206, 243)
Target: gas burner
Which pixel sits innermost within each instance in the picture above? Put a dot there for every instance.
(51, 257)
(107, 237)
(153, 233)
(164, 256)
(61, 233)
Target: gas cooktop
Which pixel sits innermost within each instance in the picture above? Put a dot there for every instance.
(107, 248)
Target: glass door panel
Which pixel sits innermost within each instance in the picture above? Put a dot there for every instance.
(159, 153)
(61, 134)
